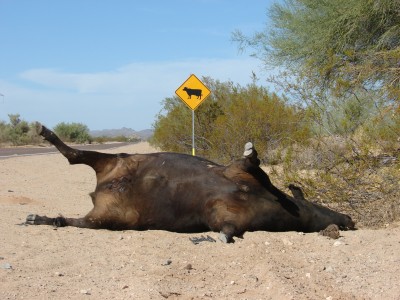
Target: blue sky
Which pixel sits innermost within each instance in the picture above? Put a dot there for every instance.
(109, 64)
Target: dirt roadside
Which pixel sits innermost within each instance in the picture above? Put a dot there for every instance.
(40, 262)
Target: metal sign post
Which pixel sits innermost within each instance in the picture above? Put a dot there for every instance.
(193, 147)
(193, 92)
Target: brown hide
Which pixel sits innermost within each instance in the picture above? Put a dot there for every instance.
(183, 193)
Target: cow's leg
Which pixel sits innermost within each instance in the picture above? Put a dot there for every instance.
(104, 215)
(297, 192)
(59, 221)
(228, 216)
(250, 164)
(89, 221)
(98, 161)
(251, 154)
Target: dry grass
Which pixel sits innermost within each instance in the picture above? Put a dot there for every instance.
(337, 172)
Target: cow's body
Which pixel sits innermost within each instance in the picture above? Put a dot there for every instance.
(183, 193)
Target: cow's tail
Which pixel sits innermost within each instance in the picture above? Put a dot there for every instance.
(94, 159)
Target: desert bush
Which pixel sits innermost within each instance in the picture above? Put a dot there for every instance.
(3, 132)
(382, 131)
(232, 116)
(346, 72)
(18, 131)
(73, 132)
(343, 171)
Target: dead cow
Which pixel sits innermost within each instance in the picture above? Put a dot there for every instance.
(193, 92)
(183, 193)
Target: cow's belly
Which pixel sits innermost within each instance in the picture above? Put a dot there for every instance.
(181, 204)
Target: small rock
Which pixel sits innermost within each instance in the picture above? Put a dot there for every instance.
(58, 274)
(251, 277)
(125, 287)
(337, 243)
(328, 269)
(267, 243)
(10, 191)
(167, 262)
(332, 231)
(232, 282)
(329, 298)
(308, 275)
(287, 242)
(120, 237)
(6, 266)
(188, 267)
(85, 292)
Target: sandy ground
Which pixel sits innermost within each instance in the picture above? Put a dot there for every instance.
(42, 262)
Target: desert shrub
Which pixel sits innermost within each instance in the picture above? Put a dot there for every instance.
(73, 132)
(346, 72)
(19, 132)
(365, 187)
(232, 116)
(3, 132)
(173, 127)
(383, 130)
(358, 177)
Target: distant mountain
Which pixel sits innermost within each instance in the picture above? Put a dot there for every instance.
(145, 134)
(128, 132)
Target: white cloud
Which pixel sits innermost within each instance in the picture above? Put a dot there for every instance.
(142, 75)
(128, 96)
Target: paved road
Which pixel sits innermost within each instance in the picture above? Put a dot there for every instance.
(20, 151)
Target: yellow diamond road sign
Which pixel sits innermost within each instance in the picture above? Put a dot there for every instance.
(193, 92)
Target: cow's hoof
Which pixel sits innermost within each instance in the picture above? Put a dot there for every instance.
(225, 238)
(30, 219)
(38, 127)
(248, 149)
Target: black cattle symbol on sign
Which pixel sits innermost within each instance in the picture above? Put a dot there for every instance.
(193, 92)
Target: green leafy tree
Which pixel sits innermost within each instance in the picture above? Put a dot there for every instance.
(341, 44)
(336, 57)
(332, 52)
